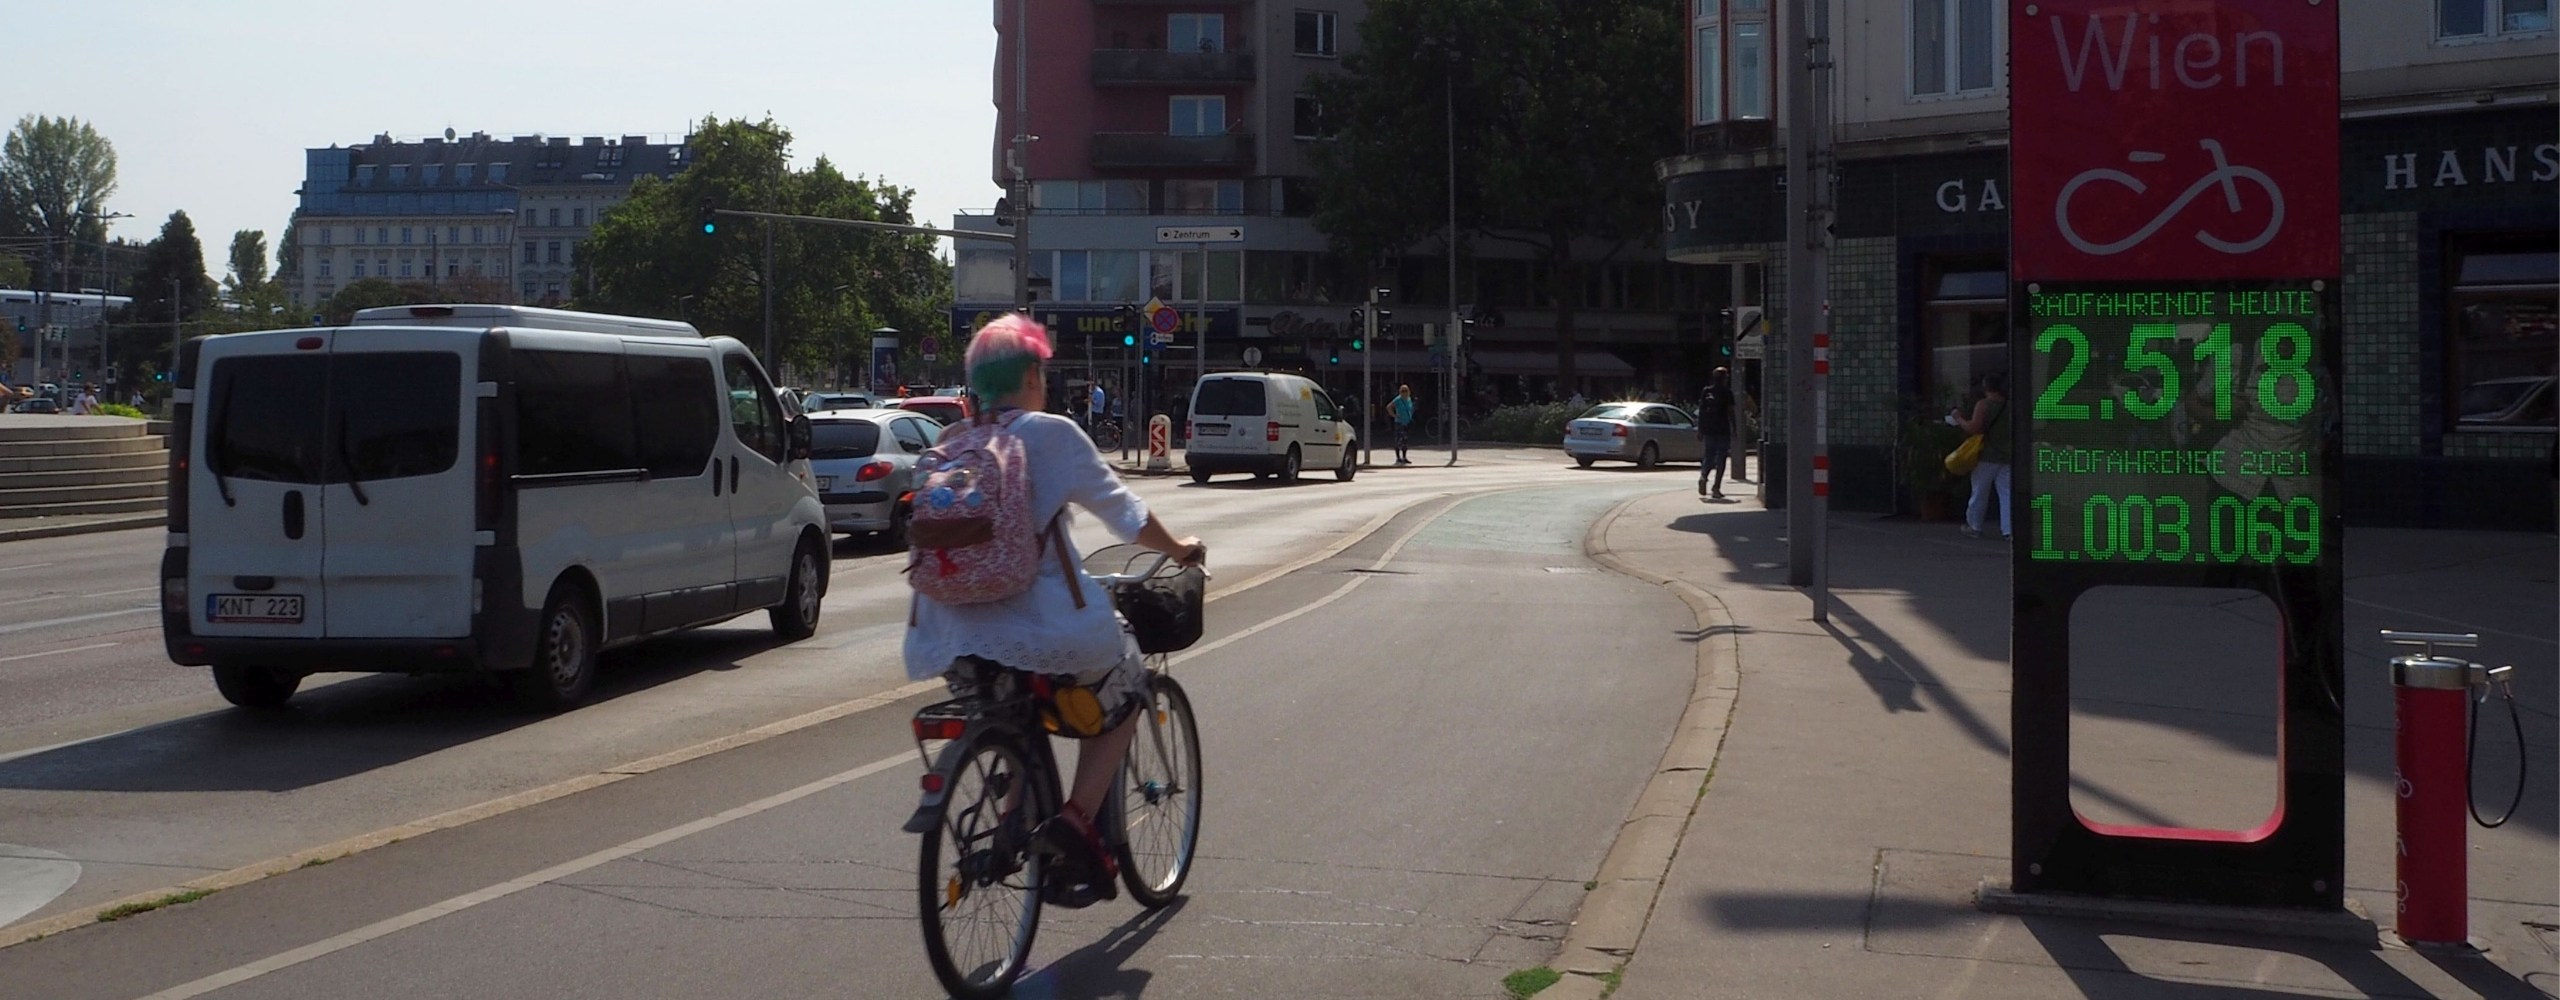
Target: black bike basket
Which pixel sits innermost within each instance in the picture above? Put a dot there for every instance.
(1164, 610)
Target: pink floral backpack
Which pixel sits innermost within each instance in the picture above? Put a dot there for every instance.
(969, 530)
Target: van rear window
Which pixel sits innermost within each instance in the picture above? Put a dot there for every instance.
(1228, 397)
(843, 439)
(266, 418)
(323, 418)
(400, 414)
(573, 414)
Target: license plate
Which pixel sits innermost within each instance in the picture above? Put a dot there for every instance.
(254, 609)
(1592, 432)
(826, 484)
(1212, 430)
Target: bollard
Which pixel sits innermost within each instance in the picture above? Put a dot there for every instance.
(2430, 694)
(1159, 443)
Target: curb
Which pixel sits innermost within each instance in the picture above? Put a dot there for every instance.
(1612, 918)
(83, 527)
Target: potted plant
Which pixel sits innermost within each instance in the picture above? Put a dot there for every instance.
(1922, 453)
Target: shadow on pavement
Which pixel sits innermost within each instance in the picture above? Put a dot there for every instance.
(348, 728)
(1958, 589)
(1101, 969)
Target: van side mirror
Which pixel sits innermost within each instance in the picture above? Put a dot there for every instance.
(795, 436)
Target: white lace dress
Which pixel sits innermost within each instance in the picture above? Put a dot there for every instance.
(1041, 630)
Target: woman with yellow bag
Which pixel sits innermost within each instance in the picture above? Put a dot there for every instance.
(1989, 422)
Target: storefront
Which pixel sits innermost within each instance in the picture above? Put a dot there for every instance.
(2451, 285)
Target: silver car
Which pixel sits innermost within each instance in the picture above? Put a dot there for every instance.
(822, 402)
(864, 462)
(1644, 433)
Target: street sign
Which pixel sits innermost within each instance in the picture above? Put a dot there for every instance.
(2173, 413)
(1165, 320)
(1752, 347)
(1252, 357)
(1199, 234)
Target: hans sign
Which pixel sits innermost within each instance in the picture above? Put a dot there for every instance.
(2164, 140)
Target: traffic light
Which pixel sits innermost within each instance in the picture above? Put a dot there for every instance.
(1358, 344)
(710, 219)
(159, 376)
(111, 375)
(1333, 356)
(1128, 340)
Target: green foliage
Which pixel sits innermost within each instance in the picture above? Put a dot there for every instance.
(1528, 982)
(248, 262)
(15, 273)
(1560, 110)
(119, 410)
(1528, 424)
(372, 293)
(52, 172)
(832, 285)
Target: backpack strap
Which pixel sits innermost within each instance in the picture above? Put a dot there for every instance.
(1074, 586)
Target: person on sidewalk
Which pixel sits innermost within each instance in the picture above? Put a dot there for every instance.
(1715, 434)
(1401, 409)
(1990, 418)
(1097, 405)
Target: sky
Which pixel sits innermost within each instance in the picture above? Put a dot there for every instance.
(210, 103)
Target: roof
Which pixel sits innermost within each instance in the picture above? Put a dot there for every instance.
(527, 317)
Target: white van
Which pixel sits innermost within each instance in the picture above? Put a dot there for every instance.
(1268, 424)
(476, 488)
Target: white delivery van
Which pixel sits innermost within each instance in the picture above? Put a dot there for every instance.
(1268, 424)
(476, 488)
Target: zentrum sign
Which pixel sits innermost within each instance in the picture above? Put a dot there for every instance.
(2169, 139)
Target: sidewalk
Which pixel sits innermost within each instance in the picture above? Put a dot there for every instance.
(1861, 789)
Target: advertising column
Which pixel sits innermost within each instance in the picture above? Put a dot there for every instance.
(2174, 393)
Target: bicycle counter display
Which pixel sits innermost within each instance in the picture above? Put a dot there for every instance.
(2177, 426)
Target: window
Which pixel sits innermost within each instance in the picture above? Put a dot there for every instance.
(266, 417)
(1198, 115)
(328, 235)
(382, 267)
(532, 251)
(498, 268)
(398, 415)
(382, 234)
(551, 291)
(462, 173)
(577, 217)
(1709, 101)
(555, 253)
(453, 234)
(1195, 33)
(1750, 70)
(324, 268)
(1112, 197)
(844, 439)
(915, 434)
(477, 232)
(1098, 275)
(1174, 275)
(399, 173)
(2482, 19)
(434, 172)
(530, 220)
(532, 292)
(1964, 326)
(1230, 397)
(405, 266)
(1204, 197)
(453, 268)
(1315, 33)
(573, 413)
(675, 412)
(1308, 119)
(1952, 47)
(497, 173)
(753, 412)
(404, 235)
(364, 174)
(2500, 336)
(555, 217)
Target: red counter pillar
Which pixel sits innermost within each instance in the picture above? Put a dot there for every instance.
(2434, 888)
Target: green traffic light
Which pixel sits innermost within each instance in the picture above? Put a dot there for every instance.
(1128, 340)
(710, 228)
(1334, 358)
(1359, 345)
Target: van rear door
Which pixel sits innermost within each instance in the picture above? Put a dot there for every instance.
(257, 518)
(400, 493)
(1231, 415)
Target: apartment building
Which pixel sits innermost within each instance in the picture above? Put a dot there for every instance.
(2450, 146)
(1157, 115)
(494, 219)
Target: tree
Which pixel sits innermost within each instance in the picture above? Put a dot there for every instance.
(55, 177)
(248, 263)
(14, 272)
(175, 259)
(1561, 108)
(832, 285)
(374, 293)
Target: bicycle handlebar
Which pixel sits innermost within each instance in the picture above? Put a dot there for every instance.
(1118, 579)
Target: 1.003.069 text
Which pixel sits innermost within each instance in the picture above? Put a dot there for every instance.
(2264, 531)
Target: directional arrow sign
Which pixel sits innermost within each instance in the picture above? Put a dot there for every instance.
(1199, 234)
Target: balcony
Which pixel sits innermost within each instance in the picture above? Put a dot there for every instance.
(1156, 150)
(1148, 67)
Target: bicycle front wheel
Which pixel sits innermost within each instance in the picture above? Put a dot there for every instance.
(1159, 800)
(1107, 438)
(977, 879)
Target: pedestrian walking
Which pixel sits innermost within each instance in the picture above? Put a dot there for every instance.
(1097, 406)
(1990, 418)
(1401, 409)
(1715, 434)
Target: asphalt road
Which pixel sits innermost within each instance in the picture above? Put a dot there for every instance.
(1416, 752)
(130, 772)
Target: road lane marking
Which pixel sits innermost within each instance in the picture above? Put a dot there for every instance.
(75, 619)
(7, 569)
(121, 593)
(57, 652)
(30, 877)
(382, 928)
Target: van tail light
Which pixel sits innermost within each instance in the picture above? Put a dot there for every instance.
(871, 471)
(1271, 431)
(1618, 431)
(173, 595)
(181, 460)
(486, 495)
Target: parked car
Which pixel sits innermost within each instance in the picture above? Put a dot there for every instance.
(477, 488)
(821, 402)
(947, 409)
(1268, 424)
(2528, 401)
(39, 404)
(864, 462)
(1645, 433)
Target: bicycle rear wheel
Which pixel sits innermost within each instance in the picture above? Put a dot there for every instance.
(1159, 800)
(977, 879)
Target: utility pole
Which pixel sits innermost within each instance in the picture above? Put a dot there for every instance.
(1808, 313)
(1021, 155)
(1368, 380)
(1457, 330)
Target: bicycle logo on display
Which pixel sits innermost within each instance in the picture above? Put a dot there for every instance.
(2224, 175)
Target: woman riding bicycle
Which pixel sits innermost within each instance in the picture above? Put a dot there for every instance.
(1046, 630)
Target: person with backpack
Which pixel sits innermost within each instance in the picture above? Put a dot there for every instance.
(1990, 418)
(996, 577)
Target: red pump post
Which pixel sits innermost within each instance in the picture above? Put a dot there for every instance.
(2433, 787)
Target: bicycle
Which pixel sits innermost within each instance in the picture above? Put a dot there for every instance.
(1105, 433)
(992, 783)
